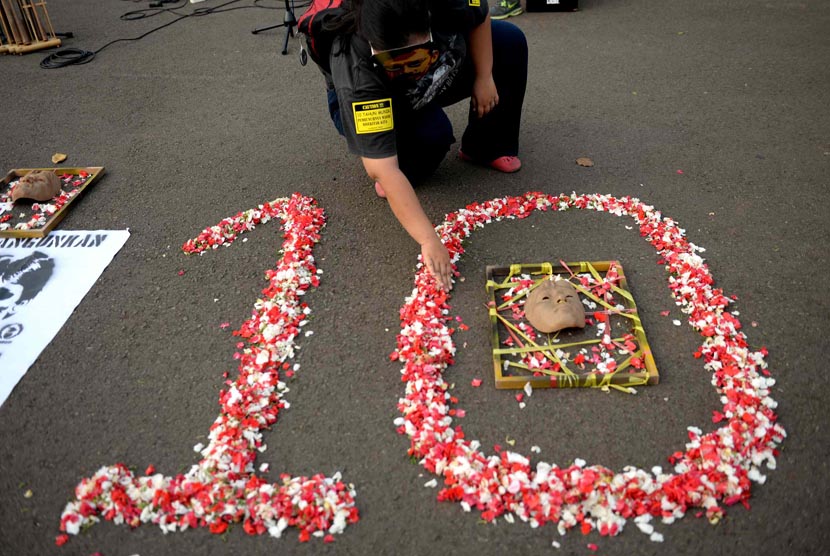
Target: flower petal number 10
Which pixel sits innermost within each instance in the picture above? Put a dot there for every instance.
(716, 468)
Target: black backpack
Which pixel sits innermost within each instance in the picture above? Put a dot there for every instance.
(312, 25)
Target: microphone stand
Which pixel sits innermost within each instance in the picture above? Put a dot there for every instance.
(288, 21)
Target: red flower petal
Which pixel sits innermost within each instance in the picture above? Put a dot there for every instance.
(218, 527)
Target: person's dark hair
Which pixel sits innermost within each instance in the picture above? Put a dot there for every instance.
(384, 23)
(389, 23)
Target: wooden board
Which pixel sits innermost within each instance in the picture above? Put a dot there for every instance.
(94, 172)
(512, 375)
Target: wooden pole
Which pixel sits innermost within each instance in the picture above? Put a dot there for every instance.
(31, 15)
(26, 16)
(6, 31)
(18, 28)
(14, 36)
(42, 5)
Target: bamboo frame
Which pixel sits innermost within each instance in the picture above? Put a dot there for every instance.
(26, 26)
(498, 278)
(94, 173)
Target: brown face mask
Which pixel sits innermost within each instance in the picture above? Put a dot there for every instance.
(40, 186)
(552, 306)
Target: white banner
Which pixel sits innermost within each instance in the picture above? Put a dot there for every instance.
(42, 280)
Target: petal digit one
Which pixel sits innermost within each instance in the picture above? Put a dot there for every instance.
(223, 487)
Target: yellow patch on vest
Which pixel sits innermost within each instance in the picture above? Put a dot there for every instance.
(373, 116)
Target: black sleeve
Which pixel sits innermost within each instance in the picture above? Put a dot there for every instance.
(458, 15)
(365, 103)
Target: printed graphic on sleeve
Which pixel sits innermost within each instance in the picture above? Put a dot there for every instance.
(373, 116)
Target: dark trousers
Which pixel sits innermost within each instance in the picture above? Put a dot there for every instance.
(424, 136)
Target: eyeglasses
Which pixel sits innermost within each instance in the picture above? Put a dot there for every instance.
(415, 58)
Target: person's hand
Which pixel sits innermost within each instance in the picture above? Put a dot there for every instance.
(437, 259)
(485, 97)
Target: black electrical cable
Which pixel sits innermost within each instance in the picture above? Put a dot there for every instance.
(150, 12)
(67, 57)
(76, 56)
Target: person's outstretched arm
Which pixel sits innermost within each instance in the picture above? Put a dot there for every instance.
(484, 97)
(407, 209)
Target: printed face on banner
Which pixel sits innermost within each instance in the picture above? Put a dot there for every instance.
(42, 280)
(22, 279)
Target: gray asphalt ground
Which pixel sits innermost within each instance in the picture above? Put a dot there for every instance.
(203, 119)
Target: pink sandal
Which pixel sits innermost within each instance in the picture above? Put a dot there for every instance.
(506, 164)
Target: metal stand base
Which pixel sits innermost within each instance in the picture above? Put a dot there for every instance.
(289, 22)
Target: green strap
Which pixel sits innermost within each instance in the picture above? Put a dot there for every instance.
(566, 378)
(537, 347)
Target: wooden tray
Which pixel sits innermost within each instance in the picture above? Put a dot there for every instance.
(570, 376)
(93, 173)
